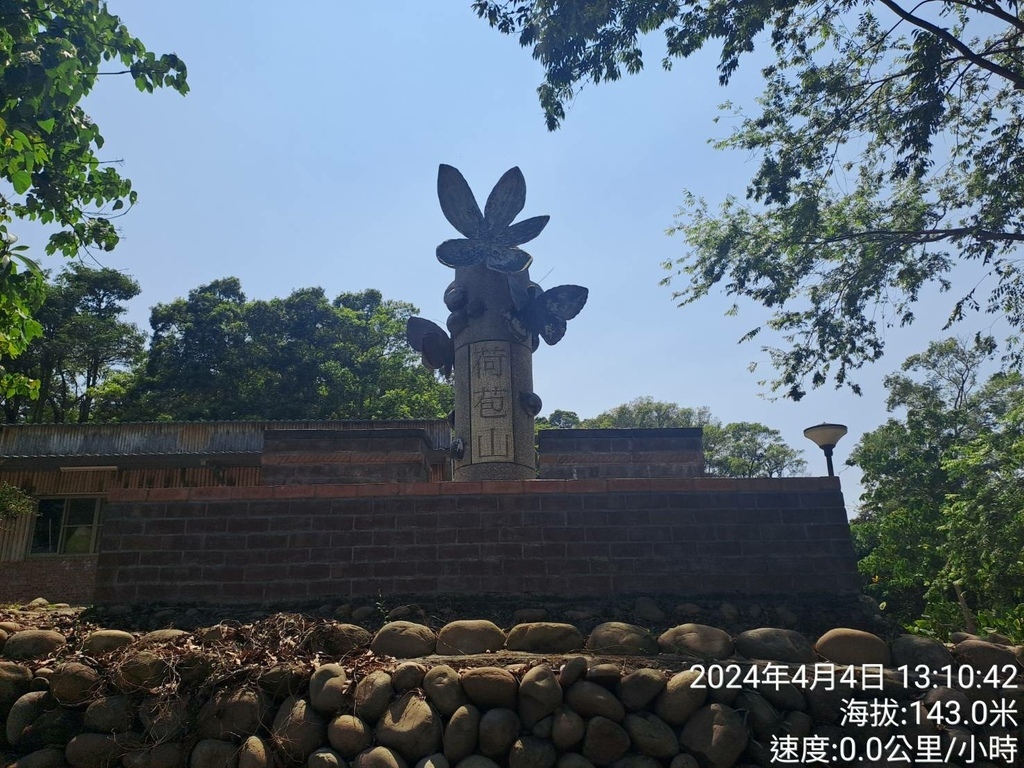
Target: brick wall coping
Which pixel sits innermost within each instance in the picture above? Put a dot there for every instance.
(338, 434)
(503, 487)
(573, 434)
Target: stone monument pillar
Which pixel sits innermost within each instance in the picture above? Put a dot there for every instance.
(498, 317)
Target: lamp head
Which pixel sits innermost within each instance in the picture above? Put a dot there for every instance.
(825, 436)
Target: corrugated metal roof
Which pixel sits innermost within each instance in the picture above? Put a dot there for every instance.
(207, 438)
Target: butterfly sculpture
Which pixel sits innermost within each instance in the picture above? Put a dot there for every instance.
(541, 313)
(432, 342)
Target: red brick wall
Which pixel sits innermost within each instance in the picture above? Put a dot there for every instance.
(60, 579)
(695, 536)
(585, 454)
(315, 456)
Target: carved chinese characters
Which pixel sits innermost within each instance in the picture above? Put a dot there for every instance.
(490, 394)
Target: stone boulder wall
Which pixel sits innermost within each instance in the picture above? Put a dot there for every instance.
(269, 694)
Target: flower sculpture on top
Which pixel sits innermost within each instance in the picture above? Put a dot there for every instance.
(491, 237)
(498, 317)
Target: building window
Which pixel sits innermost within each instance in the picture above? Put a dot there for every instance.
(66, 526)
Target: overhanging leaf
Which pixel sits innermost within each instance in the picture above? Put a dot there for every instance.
(21, 180)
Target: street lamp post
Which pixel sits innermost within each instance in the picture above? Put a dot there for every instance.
(825, 436)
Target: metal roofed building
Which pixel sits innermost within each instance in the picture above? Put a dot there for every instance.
(273, 512)
(71, 468)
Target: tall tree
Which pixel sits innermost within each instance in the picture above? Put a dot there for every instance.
(197, 356)
(917, 469)
(559, 419)
(52, 53)
(390, 384)
(295, 356)
(749, 449)
(984, 522)
(648, 413)
(218, 355)
(889, 140)
(85, 342)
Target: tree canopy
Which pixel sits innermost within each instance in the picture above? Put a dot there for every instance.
(889, 144)
(648, 413)
(52, 53)
(218, 355)
(558, 419)
(14, 503)
(737, 449)
(749, 449)
(85, 343)
(941, 524)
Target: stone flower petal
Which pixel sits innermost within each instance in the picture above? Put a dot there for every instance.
(457, 202)
(508, 260)
(461, 253)
(505, 201)
(522, 232)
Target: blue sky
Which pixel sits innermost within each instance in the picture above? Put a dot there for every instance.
(307, 152)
